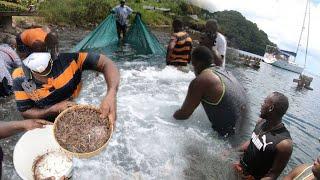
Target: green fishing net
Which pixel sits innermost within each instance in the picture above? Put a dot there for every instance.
(104, 38)
(142, 39)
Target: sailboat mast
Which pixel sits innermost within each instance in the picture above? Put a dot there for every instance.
(305, 58)
(304, 20)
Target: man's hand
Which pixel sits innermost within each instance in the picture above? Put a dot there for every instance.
(30, 124)
(61, 106)
(108, 108)
(173, 42)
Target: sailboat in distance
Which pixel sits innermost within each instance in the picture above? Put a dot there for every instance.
(286, 59)
(282, 59)
(304, 80)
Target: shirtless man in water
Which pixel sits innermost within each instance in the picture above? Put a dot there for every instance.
(221, 95)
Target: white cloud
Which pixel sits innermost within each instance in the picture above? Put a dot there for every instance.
(280, 19)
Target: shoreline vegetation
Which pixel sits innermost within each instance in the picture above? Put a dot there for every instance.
(241, 33)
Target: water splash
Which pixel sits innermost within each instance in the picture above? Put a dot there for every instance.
(148, 143)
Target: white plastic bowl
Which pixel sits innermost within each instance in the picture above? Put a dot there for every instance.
(31, 145)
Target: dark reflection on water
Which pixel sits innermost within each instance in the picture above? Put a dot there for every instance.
(302, 118)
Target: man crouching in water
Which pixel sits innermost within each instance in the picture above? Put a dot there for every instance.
(221, 95)
(269, 150)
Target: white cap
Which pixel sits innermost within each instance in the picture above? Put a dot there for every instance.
(37, 62)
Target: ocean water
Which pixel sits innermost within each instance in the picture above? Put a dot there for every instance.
(149, 144)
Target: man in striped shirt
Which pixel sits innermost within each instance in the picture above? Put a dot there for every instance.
(47, 83)
(180, 46)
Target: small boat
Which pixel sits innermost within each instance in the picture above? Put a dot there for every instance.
(249, 61)
(282, 59)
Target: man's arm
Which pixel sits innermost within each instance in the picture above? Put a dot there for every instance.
(295, 172)
(10, 128)
(284, 151)
(101, 63)
(192, 100)
(243, 147)
(172, 43)
(52, 111)
(112, 77)
(130, 10)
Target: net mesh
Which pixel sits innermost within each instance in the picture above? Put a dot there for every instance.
(105, 38)
(142, 39)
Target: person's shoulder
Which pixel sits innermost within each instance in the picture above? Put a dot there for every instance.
(5, 46)
(296, 171)
(209, 77)
(285, 146)
(127, 7)
(220, 35)
(116, 7)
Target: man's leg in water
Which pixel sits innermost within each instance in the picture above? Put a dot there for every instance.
(124, 31)
(118, 30)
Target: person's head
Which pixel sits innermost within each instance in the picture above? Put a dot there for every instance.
(211, 27)
(177, 25)
(274, 106)
(39, 63)
(201, 59)
(316, 168)
(11, 42)
(122, 3)
(38, 46)
(52, 44)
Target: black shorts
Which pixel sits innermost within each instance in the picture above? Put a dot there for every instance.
(21, 47)
(225, 132)
(121, 28)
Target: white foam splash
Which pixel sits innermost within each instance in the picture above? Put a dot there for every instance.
(148, 143)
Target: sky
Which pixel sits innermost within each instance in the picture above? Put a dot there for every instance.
(282, 21)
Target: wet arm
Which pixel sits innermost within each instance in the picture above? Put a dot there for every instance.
(36, 113)
(191, 102)
(284, 151)
(52, 111)
(295, 172)
(111, 74)
(243, 147)
(170, 48)
(10, 128)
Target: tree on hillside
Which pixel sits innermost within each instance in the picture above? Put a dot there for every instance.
(242, 33)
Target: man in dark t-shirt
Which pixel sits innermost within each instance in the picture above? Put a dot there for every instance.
(269, 150)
